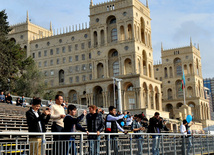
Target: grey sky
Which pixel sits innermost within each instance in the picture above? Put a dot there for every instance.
(173, 21)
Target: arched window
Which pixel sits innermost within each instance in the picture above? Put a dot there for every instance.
(61, 76)
(170, 72)
(178, 89)
(150, 71)
(100, 71)
(185, 69)
(190, 68)
(130, 88)
(116, 68)
(189, 92)
(197, 67)
(114, 35)
(122, 33)
(178, 66)
(95, 39)
(128, 66)
(165, 72)
(113, 21)
(114, 54)
(129, 31)
(102, 37)
(169, 92)
(142, 30)
(179, 105)
(144, 63)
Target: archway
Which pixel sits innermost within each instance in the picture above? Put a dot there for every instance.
(100, 71)
(128, 66)
(72, 96)
(98, 96)
(169, 108)
(113, 63)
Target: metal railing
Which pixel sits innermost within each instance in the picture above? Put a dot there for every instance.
(121, 144)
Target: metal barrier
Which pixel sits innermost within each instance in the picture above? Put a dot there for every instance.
(108, 144)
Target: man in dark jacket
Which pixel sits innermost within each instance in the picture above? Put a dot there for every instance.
(71, 124)
(155, 126)
(95, 123)
(36, 123)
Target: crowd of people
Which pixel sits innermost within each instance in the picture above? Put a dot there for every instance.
(96, 122)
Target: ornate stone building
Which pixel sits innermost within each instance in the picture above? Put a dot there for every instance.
(174, 63)
(79, 62)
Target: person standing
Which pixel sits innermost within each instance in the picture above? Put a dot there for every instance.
(95, 123)
(9, 99)
(57, 114)
(2, 97)
(137, 127)
(36, 123)
(111, 126)
(22, 100)
(71, 124)
(155, 126)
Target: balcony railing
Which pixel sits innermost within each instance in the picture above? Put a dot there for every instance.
(169, 143)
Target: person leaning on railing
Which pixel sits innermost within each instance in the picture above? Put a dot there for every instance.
(95, 123)
(137, 127)
(71, 124)
(36, 123)
(155, 126)
(111, 126)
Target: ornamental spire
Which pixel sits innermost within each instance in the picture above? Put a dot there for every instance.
(27, 19)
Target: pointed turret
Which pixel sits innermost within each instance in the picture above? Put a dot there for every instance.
(91, 3)
(147, 4)
(191, 41)
(161, 47)
(50, 26)
(27, 18)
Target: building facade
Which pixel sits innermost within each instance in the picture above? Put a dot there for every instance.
(174, 63)
(79, 62)
(209, 93)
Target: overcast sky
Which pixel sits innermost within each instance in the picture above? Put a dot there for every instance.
(173, 21)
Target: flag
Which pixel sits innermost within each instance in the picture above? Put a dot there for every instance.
(183, 82)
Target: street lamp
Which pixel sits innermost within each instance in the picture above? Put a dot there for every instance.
(119, 93)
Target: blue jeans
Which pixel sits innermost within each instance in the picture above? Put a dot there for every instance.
(94, 146)
(72, 146)
(189, 144)
(140, 141)
(155, 145)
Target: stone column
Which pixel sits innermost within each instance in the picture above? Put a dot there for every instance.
(118, 33)
(148, 100)
(126, 31)
(103, 99)
(98, 37)
(106, 36)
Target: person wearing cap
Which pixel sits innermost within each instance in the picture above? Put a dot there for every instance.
(137, 127)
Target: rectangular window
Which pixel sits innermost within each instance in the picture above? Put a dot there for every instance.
(45, 63)
(90, 66)
(70, 69)
(33, 55)
(83, 78)
(76, 57)
(52, 83)
(76, 47)
(63, 49)
(83, 45)
(46, 73)
(77, 78)
(51, 62)
(89, 55)
(71, 79)
(83, 67)
(57, 51)
(90, 77)
(39, 54)
(69, 48)
(83, 56)
(51, 51)
(70, 58)
(45, 53)
(52, 72)
(64, 60)
(77, 68)
(40, 64)
(57, 61)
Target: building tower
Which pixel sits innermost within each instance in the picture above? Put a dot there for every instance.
(174, 63)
